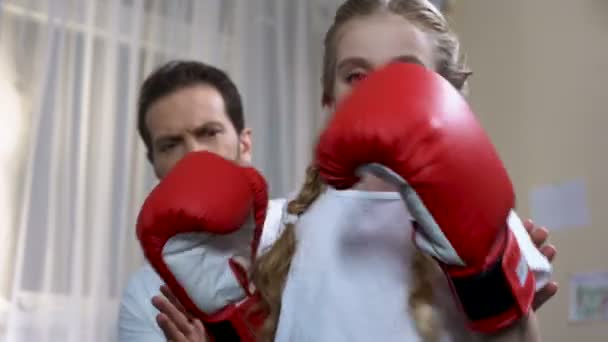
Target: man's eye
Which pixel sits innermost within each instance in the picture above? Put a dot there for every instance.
(167, 147)
(209, 132)
(355, 77)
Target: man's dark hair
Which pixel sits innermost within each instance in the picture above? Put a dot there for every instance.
(179, 74)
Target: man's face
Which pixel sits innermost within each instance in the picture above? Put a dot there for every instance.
(193, 119)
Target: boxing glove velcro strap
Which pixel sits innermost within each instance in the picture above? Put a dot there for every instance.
(222, 331)
(486, 294)
(501, 294)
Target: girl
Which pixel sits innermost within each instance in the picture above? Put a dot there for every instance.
(329, 277)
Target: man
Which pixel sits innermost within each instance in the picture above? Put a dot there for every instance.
(187, 106)
(184, 106)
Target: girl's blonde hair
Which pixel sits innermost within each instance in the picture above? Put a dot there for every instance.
(271, 269)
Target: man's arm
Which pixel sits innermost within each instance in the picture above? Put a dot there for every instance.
(136, 322)
(525, 330)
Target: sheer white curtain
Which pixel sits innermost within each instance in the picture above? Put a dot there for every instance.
(73, 171)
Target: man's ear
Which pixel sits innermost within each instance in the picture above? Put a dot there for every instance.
(246, 145)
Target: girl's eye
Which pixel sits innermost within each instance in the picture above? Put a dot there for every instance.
(355, 77)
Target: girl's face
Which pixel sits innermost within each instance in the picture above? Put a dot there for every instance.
(367, 43)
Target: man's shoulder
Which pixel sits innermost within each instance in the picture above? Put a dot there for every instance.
(275, 211)
(273, 223)
(142, 285)
(137, 314)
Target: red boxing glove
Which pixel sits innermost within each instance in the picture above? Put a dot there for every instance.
(409, 126)
(199, 229)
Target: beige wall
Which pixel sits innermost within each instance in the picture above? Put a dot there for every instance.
(540, 86)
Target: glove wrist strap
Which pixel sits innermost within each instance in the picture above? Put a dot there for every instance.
(501, 294)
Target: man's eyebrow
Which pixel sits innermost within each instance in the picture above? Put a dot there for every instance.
(207, 125)
(166, 138)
